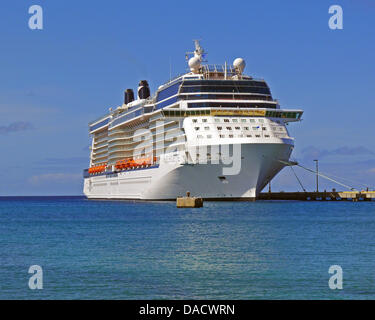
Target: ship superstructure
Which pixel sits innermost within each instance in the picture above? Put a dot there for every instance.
(212, 131)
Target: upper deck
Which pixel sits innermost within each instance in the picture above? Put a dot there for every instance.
(205, 86)
(186, 92)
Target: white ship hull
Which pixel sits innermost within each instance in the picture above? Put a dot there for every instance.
(169, 180)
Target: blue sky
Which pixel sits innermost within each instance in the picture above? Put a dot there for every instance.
(54, 81)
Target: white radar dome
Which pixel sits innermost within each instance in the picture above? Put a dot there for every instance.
(194, 64)
(239, 64)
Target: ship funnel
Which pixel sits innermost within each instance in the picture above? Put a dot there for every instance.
(128, 96)
(143, 90)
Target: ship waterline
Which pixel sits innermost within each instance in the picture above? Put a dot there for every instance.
(213, 131)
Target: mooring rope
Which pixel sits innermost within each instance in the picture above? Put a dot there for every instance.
(324, 176)
(299, 181)
(349, 180)
(321, 175)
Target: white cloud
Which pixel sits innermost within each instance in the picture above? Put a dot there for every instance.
(55, 177)
(16, 127)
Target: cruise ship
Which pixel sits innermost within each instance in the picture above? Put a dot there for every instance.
(213, 131)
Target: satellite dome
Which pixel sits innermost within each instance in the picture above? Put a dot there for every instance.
(239, 64)
(194, 64)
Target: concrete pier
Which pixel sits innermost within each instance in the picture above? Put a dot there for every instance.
(189, 202)
(319, 196)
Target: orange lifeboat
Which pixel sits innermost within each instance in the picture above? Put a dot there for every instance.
(138, 162)
(132, 163)
(98, 168)
(125, 164)
(117, 165)
(146, 161)
(121, 164)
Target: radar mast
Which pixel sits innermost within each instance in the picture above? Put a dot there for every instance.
(198, 55)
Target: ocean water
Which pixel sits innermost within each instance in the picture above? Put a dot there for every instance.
(151, 250)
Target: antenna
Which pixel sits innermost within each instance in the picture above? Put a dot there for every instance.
(198, 49)
(198, 52)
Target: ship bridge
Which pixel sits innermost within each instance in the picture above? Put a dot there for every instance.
(247, 93)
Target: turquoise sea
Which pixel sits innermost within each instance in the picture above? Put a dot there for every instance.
(151, 250)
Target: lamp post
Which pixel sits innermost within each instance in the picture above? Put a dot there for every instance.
(317, 176)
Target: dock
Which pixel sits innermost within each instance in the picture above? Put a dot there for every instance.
(319, 196)
(189, 202)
